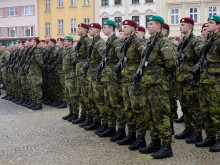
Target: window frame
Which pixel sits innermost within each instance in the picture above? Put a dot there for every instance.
(147, 1)
(118, 2)
(86, 20)
(193, 14)
(73, 27)
(47, 29)
(16, 32)
(9, 10)
(104, 19)
(118, 23)
(135, 2)
(104, 2)
(134, 19)
(84, 3)
(25, 14)
(60, 26)
(176, 20)
(47, 5)
(1, 32)
(216, 13)
(1, 11)
(31, 28)
(60, 3)
(72, 4)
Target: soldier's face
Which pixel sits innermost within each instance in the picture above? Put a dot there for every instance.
(127, 30)
(67, 43)
(165, 32)
(205, 32)
(213, 26)
(121, 35)
(106, 30)
(184, 28)
(81, 31)
(139, 34)
(50, 44)
(152, 27)
(93, 31)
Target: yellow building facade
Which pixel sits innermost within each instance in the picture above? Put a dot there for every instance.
(199, 10)
(59, 18)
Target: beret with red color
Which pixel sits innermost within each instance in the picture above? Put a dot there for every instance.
(36, 39)
(140, 28)
(166, 26)
(84, 25)
(60, 39)
(53, 40)
(95, 25)
(130, 22)
(187, 20)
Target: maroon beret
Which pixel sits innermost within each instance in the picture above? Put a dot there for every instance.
(140, 28)
(204, 25)
(84, 25)
(166, 26)
(53, 40)
(60, 39)
(46, 41)
(95, 25)
(22, 41)
(36, 39)
(130, 22)
(120, 30)
(187, 20)
(176, 38)
(42, 41)
(29, 39)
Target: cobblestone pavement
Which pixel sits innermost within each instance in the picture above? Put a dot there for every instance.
(42, 137)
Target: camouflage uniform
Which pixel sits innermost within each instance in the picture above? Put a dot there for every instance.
(161, 61)
(4, 58)
(188, 93)
(96, 88)
(82, 82)
(133, 99)
(210, 90)
(71, 92)
(112, 93)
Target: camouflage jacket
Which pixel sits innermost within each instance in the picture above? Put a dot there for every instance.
(82, 54)
(184, 70)
(133, 59)
(36, 62)
(161, 61)
(108, 73)
(4, 60)
(211, 71)
(59, 61)
(96, 56)
(67, 63)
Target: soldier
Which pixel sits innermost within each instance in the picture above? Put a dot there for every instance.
(113, 101)
(158, 60)
(82, 82)
(176, 41)
(188, 55)
(71, 91)
(204, 31)
(140, 33)
(95, 54)
(121, 35)
(33, 71)
(4, 58)
(131, 56)
(209, 85)
(166, 30)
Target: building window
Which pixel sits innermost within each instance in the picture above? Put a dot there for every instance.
(104, 2)
(72, 2)
(135, 1)
(0, 12)
(27, 10)
(117, 2)
(86, 3)
(212, 10)
(147, 16)
(47, 25)
(147, 1)
(47, 5)
(136, 19)
(27, 31)
(12, 11)
(60, 3)
(86, 20)
(104, 19)
(1, 33)
(118, 22)
(175, 16)
(60, 26)
(73, 26)
(193, 13)
(12, 32)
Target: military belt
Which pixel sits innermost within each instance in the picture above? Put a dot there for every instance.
(214, 65)
(188, 63)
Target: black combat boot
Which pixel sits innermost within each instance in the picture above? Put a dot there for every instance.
(164, 152)
(180, 120)
(24, 103)
(79, 120)
(86, 123)
(108, 132)
(8, 97)
(195, 137)
(53, 103)
(5, 96)
(33, 104)
(215, 147)
(120, 134)
(127, 140)
(11, 98)
(19, 101)
(62, 105)
(15, 100)
(208, 142)
(37, 107)
(138, 143)
(48, 102)
(101, 129)
(44, 100)
(67, 116)
(93, 126)
(154, 146)
(74, 117)
(185, 134)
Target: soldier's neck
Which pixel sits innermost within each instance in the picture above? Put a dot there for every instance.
(187, 34)
(110, 34)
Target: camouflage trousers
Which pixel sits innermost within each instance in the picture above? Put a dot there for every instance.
(4, 78)
(134, 108)
(116, 112)
(188, 95)
(72, 95)
(36, 84)
(60, 90)
(157, 112)
(82, 84)
(210, 108)
(45, 86)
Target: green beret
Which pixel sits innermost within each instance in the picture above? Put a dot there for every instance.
(14, 42)
(68, 38)
(109, 22)
(155, 18)
(3, 44)
(215, 18)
